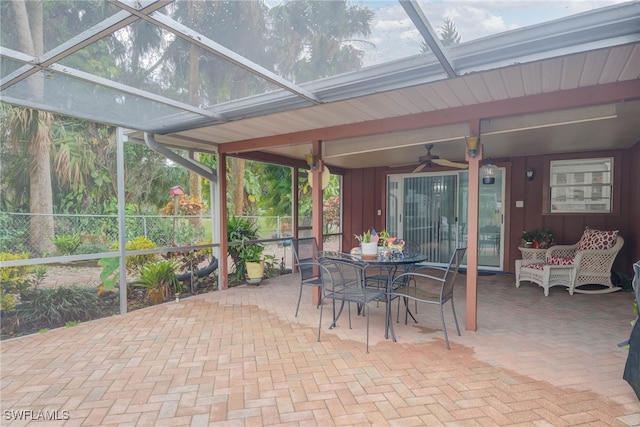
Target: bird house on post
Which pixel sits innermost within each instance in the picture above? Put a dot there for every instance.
(176, 191)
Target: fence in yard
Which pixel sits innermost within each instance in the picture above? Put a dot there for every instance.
(99, 233)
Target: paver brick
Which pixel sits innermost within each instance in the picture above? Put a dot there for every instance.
(239, 357)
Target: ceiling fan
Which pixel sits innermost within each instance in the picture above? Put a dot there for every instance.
(429, 160)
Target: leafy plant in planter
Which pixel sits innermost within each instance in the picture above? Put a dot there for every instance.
(539, 239)
(239, 230)
(253, 260)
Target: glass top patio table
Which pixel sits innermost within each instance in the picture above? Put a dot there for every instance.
(390, 263)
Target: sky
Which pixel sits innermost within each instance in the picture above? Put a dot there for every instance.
(395, 37)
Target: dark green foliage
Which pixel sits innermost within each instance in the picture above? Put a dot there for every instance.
(239, 230)
(14, 233)
(67, 244)
(251, 252)
(110, 272)
(52, 308)
(160, 275)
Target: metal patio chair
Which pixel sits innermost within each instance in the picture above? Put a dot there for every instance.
(305, 253)
(430, 289)
(343, 281)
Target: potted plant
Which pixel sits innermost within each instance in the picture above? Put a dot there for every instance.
(251, 255)
(368, 244)
(239, 230)
(537, 239)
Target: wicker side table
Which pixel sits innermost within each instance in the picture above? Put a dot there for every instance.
(532, 255)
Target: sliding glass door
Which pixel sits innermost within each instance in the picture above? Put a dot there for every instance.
(429, 211)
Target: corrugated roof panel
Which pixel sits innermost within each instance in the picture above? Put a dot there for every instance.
(532, 78)
(495, 84)
(632, 70)
(551, 71)
(616, 62)
(433, 97)
(365, 110)
(443, 90)
(462, 91)
(513, 82)
(572, 71)
(592, 68)
(478, 88)
(395, 105)
(417, 98)
(408, 105)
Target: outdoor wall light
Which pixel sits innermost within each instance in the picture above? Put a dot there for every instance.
(312, 160)
(472, 145)
(530, 173)
(488, 172)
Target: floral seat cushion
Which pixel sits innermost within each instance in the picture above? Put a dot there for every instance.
(554, 260)
(593, 239)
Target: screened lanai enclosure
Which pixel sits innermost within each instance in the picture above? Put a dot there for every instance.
(351, 84)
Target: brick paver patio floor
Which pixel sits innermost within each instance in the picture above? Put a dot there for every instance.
(240, 357)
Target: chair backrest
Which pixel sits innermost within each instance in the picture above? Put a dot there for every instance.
(599, 260)
(451, 274)
(342, 276)
(305, 252)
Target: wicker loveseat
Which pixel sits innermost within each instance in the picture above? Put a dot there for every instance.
(588, 262)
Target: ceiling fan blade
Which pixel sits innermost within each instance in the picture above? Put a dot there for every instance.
(449, 163)
(419, 168)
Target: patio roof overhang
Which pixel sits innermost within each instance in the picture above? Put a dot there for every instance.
(571, 84)
(380, 115)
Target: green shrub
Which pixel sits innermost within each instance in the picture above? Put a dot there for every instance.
(136, 262)
(50, 308)
(159, 278)
(14, 281)
(67, 244)
(15, 233)
(111, 266)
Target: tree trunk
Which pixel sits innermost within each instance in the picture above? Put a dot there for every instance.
(29, 23)
(237, 172)
(41, 229)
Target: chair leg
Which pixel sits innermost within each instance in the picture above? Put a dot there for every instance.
(367, 308)
(320, 323)
(444, 327)
(453, 308)
(299, 299)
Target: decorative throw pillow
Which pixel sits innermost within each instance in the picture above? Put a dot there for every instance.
(593, 239)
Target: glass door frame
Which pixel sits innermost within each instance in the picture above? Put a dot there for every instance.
(395, 215)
